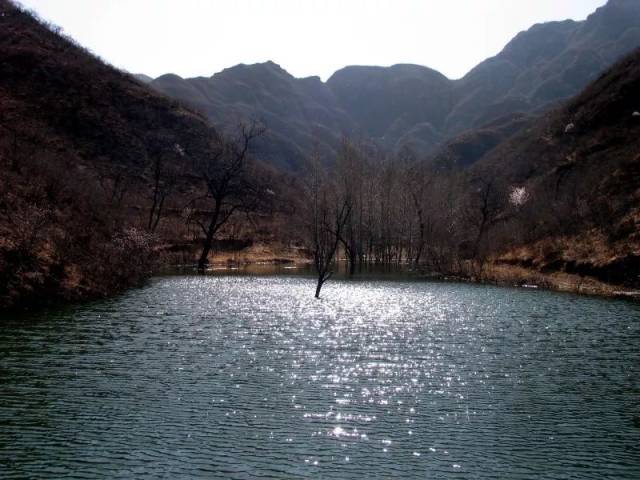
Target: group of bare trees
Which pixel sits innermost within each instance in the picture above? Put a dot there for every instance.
(369, 208)
(389, 205)
(361, 206)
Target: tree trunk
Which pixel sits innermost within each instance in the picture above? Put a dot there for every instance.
(420, 248)
(351, 256)
(208, 240)
(204, 256)
(352, 264)
(158, 214)
(319, 286)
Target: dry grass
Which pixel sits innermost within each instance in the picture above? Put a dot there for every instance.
(559, 281)
(260, 253)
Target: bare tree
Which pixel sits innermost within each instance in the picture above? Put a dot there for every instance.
(231, 184)
(485, 210)
(350, 167)
(491, 207)
(164, 176)
(329, 210)
(418, 184)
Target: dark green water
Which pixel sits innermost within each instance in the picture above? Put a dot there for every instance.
(250, 377)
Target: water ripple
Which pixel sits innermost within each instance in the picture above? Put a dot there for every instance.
(250, 377)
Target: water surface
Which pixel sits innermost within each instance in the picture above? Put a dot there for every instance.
(251, 377)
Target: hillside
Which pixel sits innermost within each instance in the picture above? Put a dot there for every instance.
(78, 138)
(413, 106)
(581, 167)
(463, 150)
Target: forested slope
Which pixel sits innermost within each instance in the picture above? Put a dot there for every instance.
(76, 137)
(580, 165)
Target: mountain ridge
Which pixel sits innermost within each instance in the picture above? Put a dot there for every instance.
(408, 105)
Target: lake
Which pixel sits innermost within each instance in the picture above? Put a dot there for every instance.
(249, 376)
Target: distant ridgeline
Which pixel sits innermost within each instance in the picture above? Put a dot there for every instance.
(413, 106)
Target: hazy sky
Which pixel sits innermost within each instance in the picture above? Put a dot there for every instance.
(306, 37)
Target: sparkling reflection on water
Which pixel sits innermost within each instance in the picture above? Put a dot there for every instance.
(250, 377)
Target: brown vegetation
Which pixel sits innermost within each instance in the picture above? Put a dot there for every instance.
(102, 179)
(91, 162)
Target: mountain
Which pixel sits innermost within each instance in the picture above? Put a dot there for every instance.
(414, 106)
(389, 103)
(547, 63)
(76, 137)
(300, 114)
(143, 78)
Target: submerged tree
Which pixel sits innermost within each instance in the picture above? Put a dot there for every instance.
(329, 208)
(231, 181)
(350, 172)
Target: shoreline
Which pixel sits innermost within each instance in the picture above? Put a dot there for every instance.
(558, 282)
(493, 274)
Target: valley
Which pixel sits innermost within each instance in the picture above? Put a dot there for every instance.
(524, 171)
